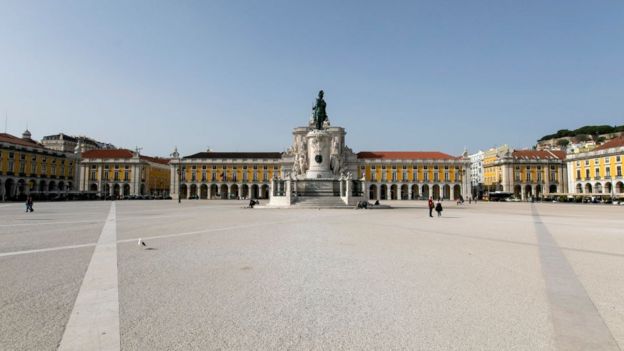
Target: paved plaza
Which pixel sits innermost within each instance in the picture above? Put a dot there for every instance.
(216, 276)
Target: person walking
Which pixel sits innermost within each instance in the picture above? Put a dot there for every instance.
(438, 208)
(431, 206)
(29, 204)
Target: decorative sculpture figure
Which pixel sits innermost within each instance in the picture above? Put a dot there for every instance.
(320, 114)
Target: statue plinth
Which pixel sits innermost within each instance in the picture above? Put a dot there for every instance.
(319, 154)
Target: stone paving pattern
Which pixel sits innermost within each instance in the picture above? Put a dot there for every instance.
(218, 276)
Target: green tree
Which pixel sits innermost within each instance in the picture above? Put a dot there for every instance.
(563, 143)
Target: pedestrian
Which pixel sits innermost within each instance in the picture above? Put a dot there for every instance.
(431, 206)
(469, 200)
(438, 208)
(29, 204)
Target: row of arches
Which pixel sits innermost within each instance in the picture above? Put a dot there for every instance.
(116, 189)
(17, 188)
(413, 192)
(528, 190)
(600, 188)
(224, 191)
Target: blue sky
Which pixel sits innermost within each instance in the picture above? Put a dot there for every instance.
(239, 75)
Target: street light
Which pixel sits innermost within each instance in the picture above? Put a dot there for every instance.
(176, 156)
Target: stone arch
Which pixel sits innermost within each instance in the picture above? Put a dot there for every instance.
(552, 189)
(116, 190)
(588, 188)
(598, 188)
(61, 186)
(126, 189)
(436, 192)
(415, 192)
(608, 188)
(245, 191)
(214, 191)
(21, 189)
(425, 191)
(619, 187)
(264, 191)
(93, 187)
(518, 191)
(203, 191)
(384, 192)
(52, 186)
(193, 190)
(404, 192)
(142, 189)
(456, 191)
(42, 186)
(372, 192)
(255, 191)
(579, 189)
(446, 192)
(9, 188)
(224, 192)
(182, 191)
(32, 186)
(528, 191)
(538, 190)
(393, 192)
(106, 189)
(234, 191)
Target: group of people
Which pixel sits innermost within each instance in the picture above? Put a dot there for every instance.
(437, 207)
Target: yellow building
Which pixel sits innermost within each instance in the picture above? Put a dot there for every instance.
(525, 173)
(225, 175)
(410, 175)
(598, 172)
(28, 168)
(121, 172)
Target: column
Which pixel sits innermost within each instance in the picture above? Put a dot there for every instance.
(188, 191)
(378, 191)
(409, 191)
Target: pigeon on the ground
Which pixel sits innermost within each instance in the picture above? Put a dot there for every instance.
(141, 243)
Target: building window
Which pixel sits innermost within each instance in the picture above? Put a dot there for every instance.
(116, 173)
(578, 174)
(528, 174)
(597, 173)
(234, 173)
(586, 174)
(126, 173)
(183, 174)
(618, 171)
(608, 172)
(92, 172)
(106, 174)
(618, 159)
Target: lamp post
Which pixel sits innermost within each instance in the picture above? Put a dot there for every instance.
(176, 156)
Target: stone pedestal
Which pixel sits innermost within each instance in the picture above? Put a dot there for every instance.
(319, 152)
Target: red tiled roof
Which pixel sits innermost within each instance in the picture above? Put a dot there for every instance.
(539, 154)
(615, 142)
(405, 155)
(12, 139)
(121, 153)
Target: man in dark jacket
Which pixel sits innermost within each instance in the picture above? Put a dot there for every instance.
(431, 206)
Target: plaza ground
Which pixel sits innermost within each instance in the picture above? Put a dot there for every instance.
(486, 276)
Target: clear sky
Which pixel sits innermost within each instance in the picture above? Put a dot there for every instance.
(239, 75)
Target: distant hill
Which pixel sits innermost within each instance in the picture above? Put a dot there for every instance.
(586, 130)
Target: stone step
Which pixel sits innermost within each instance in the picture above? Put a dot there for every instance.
(319, 201)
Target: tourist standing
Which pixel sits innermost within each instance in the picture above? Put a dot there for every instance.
(431, 206)
(438, 208)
